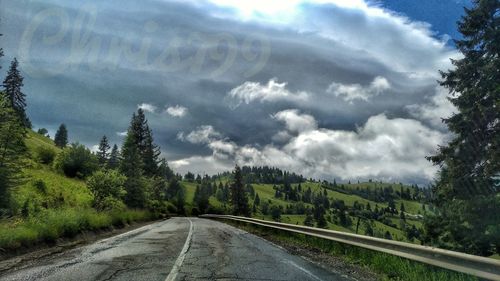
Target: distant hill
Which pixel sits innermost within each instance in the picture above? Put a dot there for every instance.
(376, 205)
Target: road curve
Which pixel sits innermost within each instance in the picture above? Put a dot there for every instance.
(176, 249)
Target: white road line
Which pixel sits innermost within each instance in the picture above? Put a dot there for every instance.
(178, 263)
(302, 269)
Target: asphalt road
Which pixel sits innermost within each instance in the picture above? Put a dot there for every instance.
(176, 249)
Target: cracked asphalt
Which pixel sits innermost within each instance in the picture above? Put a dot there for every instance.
(216, 251)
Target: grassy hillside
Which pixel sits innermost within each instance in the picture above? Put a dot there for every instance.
(47, 205)
(267, 194)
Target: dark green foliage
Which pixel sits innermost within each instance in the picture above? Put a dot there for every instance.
(164, 170)
(201, 195)
(239, 198)
(189, 177)
(114, 158)
(256, 201)
(264, 208)
(309, 220)
(143, 139)
(102, 152)
(368, 229)
(108, 190)
(176, 194)
(76, 161)
(61, 137)
(43, 132)
(276, 213)
(12, 146)
(45, 155)
(468, 187)
(131, 167)
(12, 91)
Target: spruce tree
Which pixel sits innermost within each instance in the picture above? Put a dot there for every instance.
(102, 153)
(131, 167)
(239, 198)
(12, 134)
(13, 84)
(150, 154)
(114, 158)
(467, 191)
(61, 137)
(145, 143)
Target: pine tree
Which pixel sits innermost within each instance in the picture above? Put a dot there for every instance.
(13, 84)
(238, 195)
(131, 167)
(176, 193)
(145, 143)
(12, 147)
(256, 201)
(309, 220)
(102, 153)
(467, 191)
(150, 154)
(61, 137)
(114, 158)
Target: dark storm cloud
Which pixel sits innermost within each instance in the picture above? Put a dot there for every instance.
(92, 65)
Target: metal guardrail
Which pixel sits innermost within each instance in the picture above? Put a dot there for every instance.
(473, 265)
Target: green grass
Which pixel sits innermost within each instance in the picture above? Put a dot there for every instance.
(47, 205)
(52, 224)
(388, 266)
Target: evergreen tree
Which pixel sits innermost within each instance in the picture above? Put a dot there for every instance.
(131, 167)
(467, 191)
(13, 84)
(201, 196)
(61, 137)
(150, 154)
(275, 213)
(102, 153)
(114, 158)
(238, 195)
(368, 229)
(143, 139)
(12, 134)
(309, 220)
(176, 193)
(164, 170)
(256, 201)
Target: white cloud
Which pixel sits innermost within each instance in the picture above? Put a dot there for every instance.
(254, 91)
(121, 134)
(202, 135)
(439, 107)
(147, 107)
(177, 111)
(351, 92)
(383, 149)
(94, 148)
(296, 122)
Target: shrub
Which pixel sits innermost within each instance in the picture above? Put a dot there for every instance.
(108, 189)
(76, 161)
(45, 155)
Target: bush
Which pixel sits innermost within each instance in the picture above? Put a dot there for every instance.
(45, 155)
(108, 189)
(40, 186)
(76, 161)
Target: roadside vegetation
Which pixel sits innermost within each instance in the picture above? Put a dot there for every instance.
(51, 189)
(388, 267)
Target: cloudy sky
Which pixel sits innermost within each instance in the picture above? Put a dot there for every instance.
(341, 89)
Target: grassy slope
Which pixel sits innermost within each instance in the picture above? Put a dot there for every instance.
(61, 209)
(266, 193)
